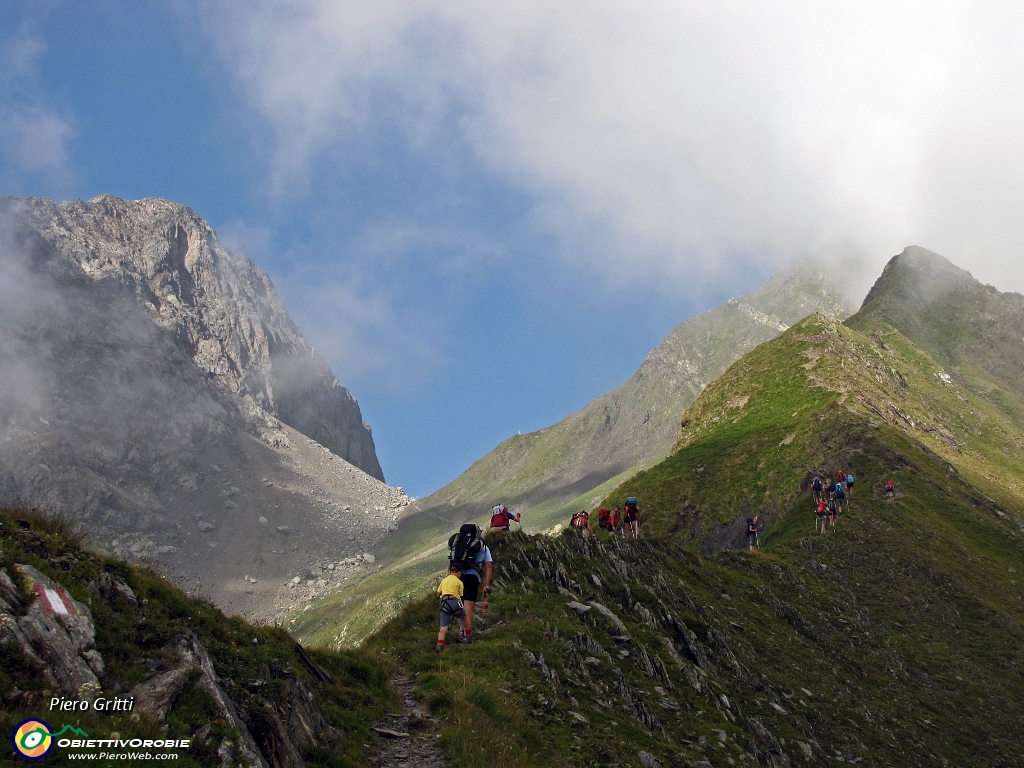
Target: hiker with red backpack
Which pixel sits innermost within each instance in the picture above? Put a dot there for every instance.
(501, 518)
(821, 515)
(890, 491)
(613, 522)
(468, 550)
(631, 518)
(580, 520)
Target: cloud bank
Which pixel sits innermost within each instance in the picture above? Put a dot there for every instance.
(670, 139)
(34, 137)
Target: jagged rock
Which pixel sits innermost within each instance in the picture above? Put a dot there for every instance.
(154, 697)
(95, 661)
(607, 613)
(368, 558)
(74, 616)
(580, 609)
(8, 591)
(193, 654)
(59, 651)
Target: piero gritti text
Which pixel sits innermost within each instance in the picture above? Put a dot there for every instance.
(60, 704)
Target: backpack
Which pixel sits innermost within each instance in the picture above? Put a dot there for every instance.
(580, 519)
(831, 506)
(849, 479)
(751, 525)
(840, 493)
(464, 546)
(602, 518)
(631, 505)
(499, 517)
(816, 483)
(822, 508)
(889, 485)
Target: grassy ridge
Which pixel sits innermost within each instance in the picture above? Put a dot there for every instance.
(896, 639)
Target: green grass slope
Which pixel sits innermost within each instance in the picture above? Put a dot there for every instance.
(259, 668)
(574, 463)
(893, 640)
(802, 403)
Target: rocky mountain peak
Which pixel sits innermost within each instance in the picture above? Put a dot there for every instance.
(222, 311)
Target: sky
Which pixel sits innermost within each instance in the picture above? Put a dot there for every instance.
(485, 217)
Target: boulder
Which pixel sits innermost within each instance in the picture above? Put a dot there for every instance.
(155, 696)
(56, 647)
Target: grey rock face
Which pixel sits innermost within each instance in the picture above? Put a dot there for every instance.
(153, 386)
(221, 311)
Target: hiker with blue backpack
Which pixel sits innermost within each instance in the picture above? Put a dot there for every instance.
(817, 488)
(468, 550)
(840, 496)
(631, 518)
(849, 483)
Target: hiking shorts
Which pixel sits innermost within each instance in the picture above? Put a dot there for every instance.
(751, 539)
(821, 518)
(631, 517)
(470, 587)
(849, 483)
(451, 609)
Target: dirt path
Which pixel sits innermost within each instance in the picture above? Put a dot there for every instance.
(416, 749)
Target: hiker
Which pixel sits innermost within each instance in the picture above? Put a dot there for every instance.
(501, 518)
(468, 549)
(821, 514)
(817, 486)
(840, 494)
(603, 516)
(450, 592)
(753, 531)
(631, 518)
(890, 491)
(614, 521)
(849, 483)
(580, 520)
(831, 507)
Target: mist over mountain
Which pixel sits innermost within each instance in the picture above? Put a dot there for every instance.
(154, 387)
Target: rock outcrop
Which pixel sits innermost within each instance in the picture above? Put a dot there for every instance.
(153, 386)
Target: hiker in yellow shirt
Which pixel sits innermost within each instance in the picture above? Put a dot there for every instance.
(450, 592)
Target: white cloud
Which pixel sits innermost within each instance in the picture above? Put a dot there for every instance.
(673, 139)
(34, 137)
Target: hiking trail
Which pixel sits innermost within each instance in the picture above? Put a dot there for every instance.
(403, 749)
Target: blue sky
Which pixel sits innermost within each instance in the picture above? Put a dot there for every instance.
(486, 217)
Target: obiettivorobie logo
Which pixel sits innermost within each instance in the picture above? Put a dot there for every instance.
(33, 739)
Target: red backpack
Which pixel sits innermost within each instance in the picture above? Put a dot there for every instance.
(602, 518)
(580, 519)
(500, 518)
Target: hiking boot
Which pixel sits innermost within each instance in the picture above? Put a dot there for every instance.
(440, 647)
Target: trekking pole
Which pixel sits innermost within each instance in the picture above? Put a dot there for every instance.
(483, 611)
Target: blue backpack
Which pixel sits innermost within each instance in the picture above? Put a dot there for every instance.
(840, 493)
